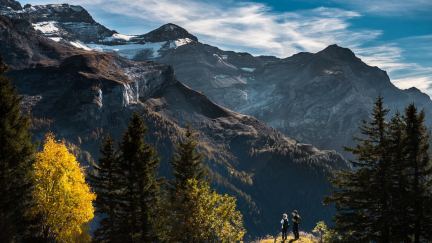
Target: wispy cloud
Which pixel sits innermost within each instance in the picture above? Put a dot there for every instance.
(396, 57)
(389, 7)
(256, 28)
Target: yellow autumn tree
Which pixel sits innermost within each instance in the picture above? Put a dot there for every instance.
(62, 199)
(212, 217)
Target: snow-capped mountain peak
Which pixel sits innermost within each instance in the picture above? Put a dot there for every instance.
(167, 32)
(73, 25)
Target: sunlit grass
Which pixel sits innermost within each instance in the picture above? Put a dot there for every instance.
(304, 238)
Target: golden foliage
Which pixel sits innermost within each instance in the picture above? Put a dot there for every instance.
(213, 216)
(61, 196)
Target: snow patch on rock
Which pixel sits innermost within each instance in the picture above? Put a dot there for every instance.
(247, 69)
(181, 42)
(118, 36)
(46, 27)
(80, 45)
(56, 39)
(222, 61)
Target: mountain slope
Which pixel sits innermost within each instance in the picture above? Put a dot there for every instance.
(81, 95)
(317, 98)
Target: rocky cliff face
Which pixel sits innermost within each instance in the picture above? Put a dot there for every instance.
(23, 47)
(322, 97)
(11, 4)
(66, 22)
(81, 95)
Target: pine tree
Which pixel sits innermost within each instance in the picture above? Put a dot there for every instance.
(399, 183)
(187, 162)
(187, 165)
(16, 158)
(198, 213)
(139, 164)
(361, 195)
(105, 180)
(419, 175)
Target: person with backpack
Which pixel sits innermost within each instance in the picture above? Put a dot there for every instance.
(296, 221)
(284, 225)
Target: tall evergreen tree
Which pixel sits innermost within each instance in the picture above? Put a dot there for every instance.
(16, 158)
(105, 180)
(399, 190)
(419, 175)
(187, 162)
(362, 196)
(187, 165)
(199, 214)
(139, 164)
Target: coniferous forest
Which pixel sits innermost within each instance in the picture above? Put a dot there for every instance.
(387, 196)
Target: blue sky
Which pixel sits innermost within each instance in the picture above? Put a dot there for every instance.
(394, 35)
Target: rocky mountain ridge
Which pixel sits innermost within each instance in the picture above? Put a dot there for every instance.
(317, 98)
(80, 95)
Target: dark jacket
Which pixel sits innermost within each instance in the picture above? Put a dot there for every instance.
(285, 224)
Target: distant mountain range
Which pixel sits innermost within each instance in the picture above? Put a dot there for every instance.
(81, 94)
(314, 98)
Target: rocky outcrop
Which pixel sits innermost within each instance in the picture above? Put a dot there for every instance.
(12, 4)
(66, 21)
(22, 47)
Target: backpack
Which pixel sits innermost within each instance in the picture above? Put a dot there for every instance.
(296, 219)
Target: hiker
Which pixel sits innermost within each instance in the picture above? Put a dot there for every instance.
(285, 225)
(296, 221)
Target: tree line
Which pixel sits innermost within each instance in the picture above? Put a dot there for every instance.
(46, 196)
(387, 196)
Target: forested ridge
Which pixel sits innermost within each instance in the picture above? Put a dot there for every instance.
(47, 196)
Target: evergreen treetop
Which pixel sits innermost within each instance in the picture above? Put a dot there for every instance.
(16, 159)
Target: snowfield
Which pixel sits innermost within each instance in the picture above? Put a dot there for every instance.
(132, 50)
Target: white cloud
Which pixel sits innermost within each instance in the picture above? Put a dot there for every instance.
(414, 75)
(389, 7)
(396, 57)
(422, 83)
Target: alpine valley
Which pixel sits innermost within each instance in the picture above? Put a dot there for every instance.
(265, 124)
